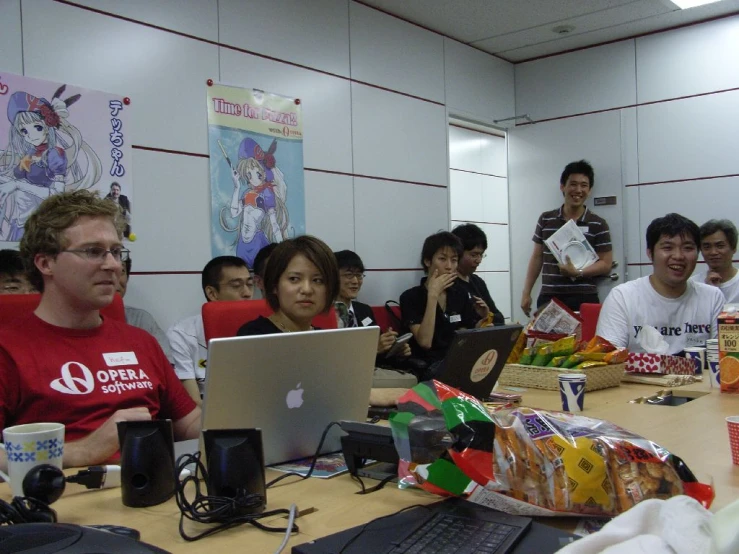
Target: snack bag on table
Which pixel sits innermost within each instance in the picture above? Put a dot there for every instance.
(528, 461)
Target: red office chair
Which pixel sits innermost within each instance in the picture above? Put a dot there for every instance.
(13, 306)
(223, 319)
(383, 319)
(589, 314)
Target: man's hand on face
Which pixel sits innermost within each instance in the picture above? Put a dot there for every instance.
(438, 283)
(102, 443)
(568, 269)
(713, 278)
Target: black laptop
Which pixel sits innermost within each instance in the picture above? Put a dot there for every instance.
(476, 358)
(450, 526)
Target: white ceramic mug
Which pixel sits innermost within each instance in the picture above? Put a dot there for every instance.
(31, 445)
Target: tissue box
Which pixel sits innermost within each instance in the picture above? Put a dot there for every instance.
(641, 362)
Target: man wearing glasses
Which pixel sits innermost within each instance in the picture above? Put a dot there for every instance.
(355, 314)
(65, 363)
(223, 278)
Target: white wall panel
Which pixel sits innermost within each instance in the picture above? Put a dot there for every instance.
(499, 286)
(325, 100)
(633, 235)
(193, 17)
(171, 212)
(692, 60)
(168, 298)
(329, 208)
(495, 158)
(587, 80)
(389, 52)
(478, 85)
(498, 253)
(465, 196)
(494, 199)
(11, 44)
(162, 73)
(314, 34)
(699, 201)
(694, 137)
(398, 137)
(465, 149)
(393, 219)
(380, 286)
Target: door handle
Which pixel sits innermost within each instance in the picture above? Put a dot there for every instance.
(613, 276)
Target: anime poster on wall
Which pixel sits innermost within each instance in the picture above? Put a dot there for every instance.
(256, 170)
(55, 137)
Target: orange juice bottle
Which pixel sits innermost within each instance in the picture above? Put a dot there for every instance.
(728, 348)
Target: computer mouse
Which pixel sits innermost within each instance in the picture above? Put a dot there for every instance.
(53, 538)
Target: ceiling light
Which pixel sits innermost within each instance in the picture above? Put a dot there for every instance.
(685, 4)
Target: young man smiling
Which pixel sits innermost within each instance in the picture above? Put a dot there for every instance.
(65, 363)
(718, 246)
(571, 285)
(683, 311)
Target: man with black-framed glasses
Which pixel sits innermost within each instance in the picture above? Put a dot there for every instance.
(66, 363)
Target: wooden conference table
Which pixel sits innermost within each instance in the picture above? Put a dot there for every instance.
(695, 431)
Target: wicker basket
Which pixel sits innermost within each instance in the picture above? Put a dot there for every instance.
(547, 378)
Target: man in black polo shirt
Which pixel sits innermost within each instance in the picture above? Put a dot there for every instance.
(565, 282)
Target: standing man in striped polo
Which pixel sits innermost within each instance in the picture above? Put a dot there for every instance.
(565, 282)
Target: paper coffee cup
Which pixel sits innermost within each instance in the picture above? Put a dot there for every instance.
(698, 355)
(715, 374)
(733, 424)
(31, 445)
(572, 391)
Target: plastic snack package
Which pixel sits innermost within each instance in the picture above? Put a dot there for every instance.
(528, 461)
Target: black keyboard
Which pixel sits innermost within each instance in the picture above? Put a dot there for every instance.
(452, 534)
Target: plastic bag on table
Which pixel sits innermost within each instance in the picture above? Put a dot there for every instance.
(533, 462)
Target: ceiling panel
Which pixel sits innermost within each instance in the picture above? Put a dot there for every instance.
(522, 29)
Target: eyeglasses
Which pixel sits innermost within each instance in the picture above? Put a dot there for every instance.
(237, 285)
(350, 276)
(98, 253)
(477, 256)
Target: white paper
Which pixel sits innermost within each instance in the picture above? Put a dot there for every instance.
(570, 241)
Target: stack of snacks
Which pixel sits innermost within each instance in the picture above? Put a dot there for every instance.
(534, 462)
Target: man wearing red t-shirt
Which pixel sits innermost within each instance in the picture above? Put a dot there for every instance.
(65, 363)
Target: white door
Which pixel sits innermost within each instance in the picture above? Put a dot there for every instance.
(537, 154)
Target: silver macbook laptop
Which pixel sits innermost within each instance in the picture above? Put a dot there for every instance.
(290, 385)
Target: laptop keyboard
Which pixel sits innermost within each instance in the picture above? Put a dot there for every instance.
(451, 534)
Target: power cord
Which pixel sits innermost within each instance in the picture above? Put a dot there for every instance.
(313, 463)
(225, 511)
(25, 510)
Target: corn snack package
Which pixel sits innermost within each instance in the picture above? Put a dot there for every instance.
(530, 462)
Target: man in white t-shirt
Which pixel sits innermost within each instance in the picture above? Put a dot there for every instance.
(683, 311)
(223, 278)
(718, 246)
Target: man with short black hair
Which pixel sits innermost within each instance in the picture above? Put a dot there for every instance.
(565, 282)
(223, 278)
(474, 242)
(683, 311)
(718, 246)
(13, 279)
(67, 363)
(260, 266)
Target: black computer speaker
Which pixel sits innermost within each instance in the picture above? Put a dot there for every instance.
(147, 462)
(235, 462)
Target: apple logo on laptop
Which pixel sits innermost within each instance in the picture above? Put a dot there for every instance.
(294, 398)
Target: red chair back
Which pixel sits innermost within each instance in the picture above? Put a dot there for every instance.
(326, 321)
(589, 314)
(223, 319)
(13, 306)
(383, 318)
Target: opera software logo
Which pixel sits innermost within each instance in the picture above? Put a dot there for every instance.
(77, 379)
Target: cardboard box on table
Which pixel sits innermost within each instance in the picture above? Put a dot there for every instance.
(659, 364)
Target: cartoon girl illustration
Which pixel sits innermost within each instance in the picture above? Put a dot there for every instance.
(262, 211)
(45, 155)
